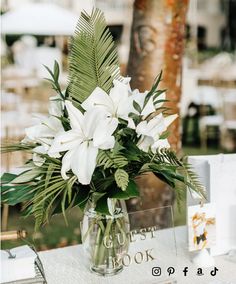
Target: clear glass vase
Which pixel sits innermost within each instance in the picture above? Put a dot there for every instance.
(105, 239)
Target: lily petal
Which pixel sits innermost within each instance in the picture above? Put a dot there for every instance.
(46, 130)
(75, 115)
(159, 144)
(131, 123)
(126, 80)
(119, 92)
(65, 141)
(93, 117)
(141, 128)
(83, 162)
(145, 143)
(66, 163)
(102, 135)
(98, 98)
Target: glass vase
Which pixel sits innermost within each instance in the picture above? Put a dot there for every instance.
(105, 239)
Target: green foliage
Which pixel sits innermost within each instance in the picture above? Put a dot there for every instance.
(137, 107)
(121, 178)
(153, 90)
(40, 189)
(93, 59)
(27, 176)
(14, 147)
(178, 174)
(55, 79)
(130, 192)
(109, 159)
(101, 206)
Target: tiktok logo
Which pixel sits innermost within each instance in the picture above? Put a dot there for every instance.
(213, 272)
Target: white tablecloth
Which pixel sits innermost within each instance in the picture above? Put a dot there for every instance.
(66, 266)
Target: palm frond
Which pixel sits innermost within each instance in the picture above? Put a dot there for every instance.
(191, 179)
(14, 147)
(93, 59)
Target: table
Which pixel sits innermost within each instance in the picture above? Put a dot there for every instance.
(66, 265)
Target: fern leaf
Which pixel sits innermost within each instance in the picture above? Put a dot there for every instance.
(110, 160)
(122, 179)
(93, 59)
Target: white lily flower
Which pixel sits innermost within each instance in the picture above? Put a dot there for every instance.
(43, 133)
(150, 132)
(119, 102)
(45, 130)
(115, 103)
(89, 132)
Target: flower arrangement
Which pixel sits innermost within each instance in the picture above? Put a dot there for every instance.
(98, 137)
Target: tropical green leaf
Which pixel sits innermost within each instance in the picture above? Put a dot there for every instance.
(55, 77)
(130, 192)
(14, 147)
(109, 159)
(101, 205)
(137, 107)
(164, 135)
(121, 178)
(7, 177)
(27, 176)
(153, 89)
(93, 59)
(13, 195)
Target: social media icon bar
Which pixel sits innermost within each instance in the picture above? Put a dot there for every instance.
(156, 271)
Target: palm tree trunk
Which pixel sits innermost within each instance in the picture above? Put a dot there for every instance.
(157, 43)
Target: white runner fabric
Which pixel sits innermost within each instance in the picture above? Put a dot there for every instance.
(67, 265)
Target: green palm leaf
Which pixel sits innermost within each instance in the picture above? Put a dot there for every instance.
(93, 59)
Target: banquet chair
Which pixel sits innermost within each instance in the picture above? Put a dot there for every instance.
(228, 126)
(211, 96)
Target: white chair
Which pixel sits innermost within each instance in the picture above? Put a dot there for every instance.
(228, 126)
(209, 96)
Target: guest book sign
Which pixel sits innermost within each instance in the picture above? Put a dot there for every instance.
(151, 247)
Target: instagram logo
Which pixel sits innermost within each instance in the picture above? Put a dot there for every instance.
(156, 271)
